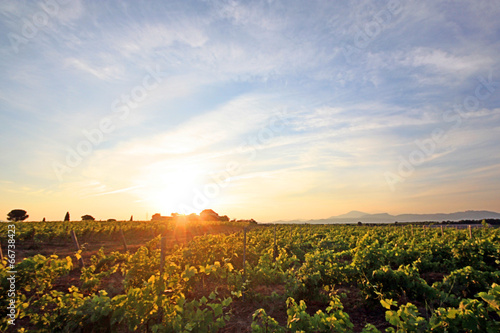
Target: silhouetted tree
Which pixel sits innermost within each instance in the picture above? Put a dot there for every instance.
(17, 215)
(247, 221)
(66, 218)
(43, 219)
(209, 215)
(111, 220)
(193, 217)
(88, 218)
(131, 217)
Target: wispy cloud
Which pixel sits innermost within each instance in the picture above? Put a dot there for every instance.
(106, 72)
(127, 189)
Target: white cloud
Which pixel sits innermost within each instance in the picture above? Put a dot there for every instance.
(202, 140)
(221, 125)
(106, 72)
(445, 64)
(140, 40)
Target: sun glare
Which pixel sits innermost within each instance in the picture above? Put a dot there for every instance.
(173, 189)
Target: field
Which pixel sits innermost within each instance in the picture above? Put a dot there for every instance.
(216, 277)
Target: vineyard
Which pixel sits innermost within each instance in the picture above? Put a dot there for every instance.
(224, 278)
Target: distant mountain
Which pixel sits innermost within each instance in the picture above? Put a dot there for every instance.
(355, 216)
(352, 214)
(467, 215)
(290, 221)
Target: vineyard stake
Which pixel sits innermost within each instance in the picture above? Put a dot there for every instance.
(123, 240)
(77, 246)
(275, 235)
(442, 232)
(275, 248)
(162, 254)
(244, 256)
(1, 253)
(470, 231)
(163, 251)
(244, 250)
(175, 234)
(412, 230)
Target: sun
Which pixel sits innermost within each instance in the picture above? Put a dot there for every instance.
(172, 189)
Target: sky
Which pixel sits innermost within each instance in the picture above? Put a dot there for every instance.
(266, 109)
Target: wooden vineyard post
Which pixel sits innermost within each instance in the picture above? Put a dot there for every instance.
(244, 250)
(412, 234)
(442, 232)
(1, 253)
(244, 258)
(123, 240)
(152, 232)
(275, 248)
(175, 235)
(163, 250)
(470, 231)
(77, 246)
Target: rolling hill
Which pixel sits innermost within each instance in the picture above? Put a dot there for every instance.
(355, 216)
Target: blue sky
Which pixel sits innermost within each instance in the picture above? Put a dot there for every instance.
(257, 109)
